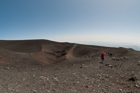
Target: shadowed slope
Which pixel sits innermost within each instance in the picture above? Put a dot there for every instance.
(24, 46)
(32, 52)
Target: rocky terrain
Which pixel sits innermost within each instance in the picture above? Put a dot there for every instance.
(42, 66)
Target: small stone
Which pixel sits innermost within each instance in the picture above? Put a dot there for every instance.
(87, 86)
(113, 58)
(117, 59)
(137, 86)
(42, 77)
(53, 89)
(106, 64)
(112, 84)
(34, 91)
(133, 78)
(74, 73)
(33, 69)
(86, 78)
(55, 78)
(125, 57)
(7, 68)
(101, 62)
(47, 90)
(109, 65)
(120, 90)
(23, 79)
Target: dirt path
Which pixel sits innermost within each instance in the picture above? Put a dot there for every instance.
(70, 52)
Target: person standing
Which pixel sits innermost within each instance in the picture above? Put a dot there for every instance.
(102, 55)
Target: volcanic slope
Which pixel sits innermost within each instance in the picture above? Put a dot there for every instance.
(32, 52)
(43, 66)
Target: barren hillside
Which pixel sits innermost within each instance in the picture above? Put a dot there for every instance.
(43, 66)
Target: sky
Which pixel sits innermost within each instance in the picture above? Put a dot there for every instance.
(116, 21)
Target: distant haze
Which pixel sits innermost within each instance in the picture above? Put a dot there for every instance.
(71, 20)
(134, 46)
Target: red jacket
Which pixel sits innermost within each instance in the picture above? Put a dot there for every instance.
(103, 54)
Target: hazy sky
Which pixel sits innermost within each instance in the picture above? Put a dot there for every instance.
(71, 20)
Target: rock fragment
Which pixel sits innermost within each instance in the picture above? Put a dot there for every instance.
(137, 84)
(120, 90)
(87, 86)
(133, 78)
(108, 65)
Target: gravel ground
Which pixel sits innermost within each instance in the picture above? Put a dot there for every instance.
(42, 66)
(81, 75)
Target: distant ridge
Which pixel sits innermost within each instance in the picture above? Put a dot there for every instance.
(28, 52)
